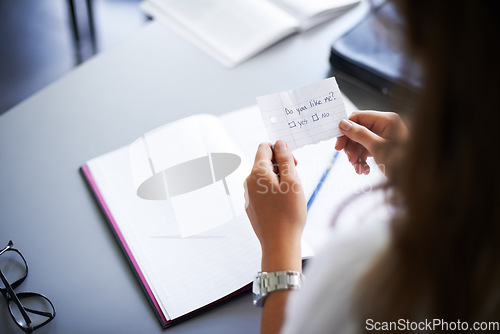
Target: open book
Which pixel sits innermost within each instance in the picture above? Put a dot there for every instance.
(174, 199)
(233, 31)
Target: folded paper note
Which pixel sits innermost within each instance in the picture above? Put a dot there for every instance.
(305, 115)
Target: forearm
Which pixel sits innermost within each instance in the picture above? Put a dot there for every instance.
(289, 258)
(276, 206)
(273, 312)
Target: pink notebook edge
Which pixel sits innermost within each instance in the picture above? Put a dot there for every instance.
(107, 212)
(138, 272)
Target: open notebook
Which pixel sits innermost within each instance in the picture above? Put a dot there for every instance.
(233, 31)
(189, 240)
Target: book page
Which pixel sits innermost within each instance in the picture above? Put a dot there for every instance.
(192, 165)
(313, 12)
(303, 116)
(235, 30)
(183, 273)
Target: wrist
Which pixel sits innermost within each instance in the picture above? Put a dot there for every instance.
(276, 257)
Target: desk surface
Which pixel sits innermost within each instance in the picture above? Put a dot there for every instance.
(45, 205)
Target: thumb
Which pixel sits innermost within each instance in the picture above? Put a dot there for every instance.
(361, 135)
(285, 160)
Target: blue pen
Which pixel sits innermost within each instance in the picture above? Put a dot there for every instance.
(322, 180)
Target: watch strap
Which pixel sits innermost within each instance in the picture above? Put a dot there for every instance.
(267, 282)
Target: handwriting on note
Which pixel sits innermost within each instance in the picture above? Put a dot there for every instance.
(304, 116)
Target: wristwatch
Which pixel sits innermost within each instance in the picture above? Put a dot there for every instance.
(265, 283)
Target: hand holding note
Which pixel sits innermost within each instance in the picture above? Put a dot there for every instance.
(304, 116)
(276, 207)
(373, 133)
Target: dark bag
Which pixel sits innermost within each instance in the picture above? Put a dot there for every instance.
(370, 54)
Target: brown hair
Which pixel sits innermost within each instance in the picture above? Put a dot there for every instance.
(443, 259)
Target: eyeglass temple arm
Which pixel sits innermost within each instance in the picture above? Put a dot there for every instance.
(14, 297)
(7, 247)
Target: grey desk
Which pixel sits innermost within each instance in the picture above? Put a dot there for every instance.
(45, 205)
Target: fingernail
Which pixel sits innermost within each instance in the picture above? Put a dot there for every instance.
(280, 146)
(345, 125)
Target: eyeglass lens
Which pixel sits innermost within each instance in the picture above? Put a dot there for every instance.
(13, 267)
(39, 309)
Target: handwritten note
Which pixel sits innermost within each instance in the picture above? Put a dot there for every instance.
(306, 115)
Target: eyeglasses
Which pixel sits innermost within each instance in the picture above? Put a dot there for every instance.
(29, 310)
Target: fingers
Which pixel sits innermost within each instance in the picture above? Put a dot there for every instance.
(357, 155)
(263, 160)
(362, 168)
(369, 118)
(341, 142)
(271, 163)
(285, 160)
(361, 135)
(388, 125)
(262, 176)
(371, 133)
(354, 151)
(264, 152)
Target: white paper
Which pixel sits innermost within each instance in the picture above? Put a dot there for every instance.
(304, 116)
(231, 31)
(192, 165)
(313, 12)
(227, 256)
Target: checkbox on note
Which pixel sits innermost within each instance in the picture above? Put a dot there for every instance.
(315, 117)
(292, 124)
